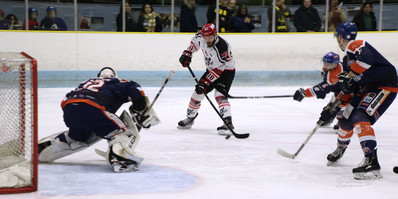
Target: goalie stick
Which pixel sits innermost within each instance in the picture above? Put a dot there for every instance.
(239, 136)
(318, 124)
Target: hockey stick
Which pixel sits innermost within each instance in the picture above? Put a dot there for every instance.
(252, 97)
(239, 136)
(161, 89)
(318, 124)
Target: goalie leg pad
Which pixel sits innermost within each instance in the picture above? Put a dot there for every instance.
(121, 153)
(52, 148)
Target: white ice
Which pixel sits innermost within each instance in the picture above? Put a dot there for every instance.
(200, 164)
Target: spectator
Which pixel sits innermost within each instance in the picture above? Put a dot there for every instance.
(242, 22)
(33, 23)
(130, 25)
(232, 7)
(365, 19)
(281, 16)
(149, 20)
(188, 21)
(51, 21)
(3, 23)
(12, 22)
(224, 16)
(336, 15)
(306, 18)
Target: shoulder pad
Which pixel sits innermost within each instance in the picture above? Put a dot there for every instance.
(355, 45)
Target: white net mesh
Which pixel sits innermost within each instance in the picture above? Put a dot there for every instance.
(16, 120)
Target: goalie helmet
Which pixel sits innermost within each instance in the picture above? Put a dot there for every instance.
(208, 30)
(107, 72)
(347, 30)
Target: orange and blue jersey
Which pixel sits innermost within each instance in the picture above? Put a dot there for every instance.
(329, 83)
(371, 68)
(107, 94)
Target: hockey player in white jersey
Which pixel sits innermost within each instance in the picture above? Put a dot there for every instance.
(219, 75)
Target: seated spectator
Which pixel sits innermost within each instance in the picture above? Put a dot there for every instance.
(306, 18)
(242, 22)
(130, 25)
(149, 20)
(365, 19)
(51, 21)
(336, 15)
(225, 16)
(188, 22)
(3, 23)
(281, 17)
(12, 22)
(33, 23)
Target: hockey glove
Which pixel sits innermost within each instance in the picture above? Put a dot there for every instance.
(347, 85)
(328, 114)
(202, 86)
(299, 95)
(144, 118)
(186, 58)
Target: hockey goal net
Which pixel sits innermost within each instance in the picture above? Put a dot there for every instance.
(18, 123)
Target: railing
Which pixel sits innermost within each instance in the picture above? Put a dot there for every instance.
(101, 16)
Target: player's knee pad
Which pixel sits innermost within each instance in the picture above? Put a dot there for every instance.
(121, 153)
(52, 148)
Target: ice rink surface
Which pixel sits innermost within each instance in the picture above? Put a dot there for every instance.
(200, 164)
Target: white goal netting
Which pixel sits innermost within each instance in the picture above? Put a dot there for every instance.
(17, 120)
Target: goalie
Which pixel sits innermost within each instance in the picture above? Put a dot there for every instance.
(89, 113)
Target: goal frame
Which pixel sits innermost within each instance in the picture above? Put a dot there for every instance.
(34, 83)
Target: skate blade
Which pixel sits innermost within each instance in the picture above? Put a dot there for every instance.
(184, 127)
(368, 175)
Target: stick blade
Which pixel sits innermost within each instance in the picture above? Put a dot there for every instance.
(286, 154)
(242, 136)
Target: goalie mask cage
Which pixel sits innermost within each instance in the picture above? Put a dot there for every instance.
(18, 123)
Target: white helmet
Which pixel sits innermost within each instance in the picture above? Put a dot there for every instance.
(107, 72)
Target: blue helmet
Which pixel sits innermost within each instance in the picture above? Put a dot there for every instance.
(31, 10)
(51, 8)
(331, 58)
(347, 30)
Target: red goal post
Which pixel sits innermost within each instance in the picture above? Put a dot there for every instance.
(18, 123)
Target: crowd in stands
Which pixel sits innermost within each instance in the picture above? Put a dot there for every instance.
(233, 17)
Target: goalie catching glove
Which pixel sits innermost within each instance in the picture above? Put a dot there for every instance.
(144, 117)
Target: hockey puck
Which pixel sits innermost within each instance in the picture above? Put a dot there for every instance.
(395, 169)
(227, 137)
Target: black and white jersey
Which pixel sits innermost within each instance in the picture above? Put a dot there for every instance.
(217, 57)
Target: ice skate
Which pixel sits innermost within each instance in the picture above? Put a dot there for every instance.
(368, 169)
(187, 122)
(224, 130)
(336, 155)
